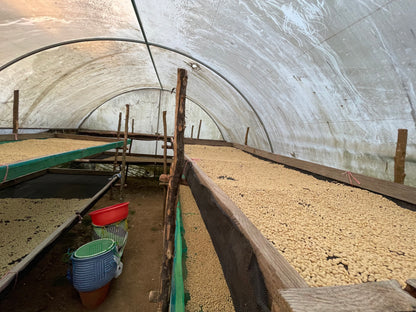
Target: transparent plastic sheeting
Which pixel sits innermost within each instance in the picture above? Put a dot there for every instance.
(148, 117)
(59, 87)
(147, 112)
(331, 80)
(27, 25)
(326, 81)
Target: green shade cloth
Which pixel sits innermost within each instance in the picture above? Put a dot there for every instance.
(177, 295)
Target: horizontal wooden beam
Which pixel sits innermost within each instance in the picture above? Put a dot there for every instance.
(387, 188)
(253, 267)
(376, 296)
(26, 136)
(191, 141)
(84, 137)
(131, 135)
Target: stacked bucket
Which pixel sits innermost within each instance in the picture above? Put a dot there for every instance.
(96, 263)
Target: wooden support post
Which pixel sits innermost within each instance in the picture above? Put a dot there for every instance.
(118, 138)
(165, 161)
(130, 147)
(192, 132)
(176, 170)
(116, 153)
(399, 159)
(246, 139)
(123, 162)
(199, 129)
(165, 144)
(16, 111)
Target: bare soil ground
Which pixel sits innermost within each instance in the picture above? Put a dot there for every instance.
(45, 287)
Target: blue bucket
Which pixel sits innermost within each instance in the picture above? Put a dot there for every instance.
(93, 272)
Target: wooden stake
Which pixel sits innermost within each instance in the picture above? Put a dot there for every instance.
(399, 159)
(130, 147)
(16, 111)
(116, 153)
(246, 139)
(192, 132)
(165, 160)
(118, 138)
(199, 129)
(176, 170)
(123, 162)
(165, 141)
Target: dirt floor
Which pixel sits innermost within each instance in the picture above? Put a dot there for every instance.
(45, 287)
(331, 233)
(205, 283)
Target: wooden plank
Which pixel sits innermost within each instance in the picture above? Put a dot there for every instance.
(228, 226)
(135, 159)
(83, 137)
(376, 296)
(26, 136)
(207, 142)
(399, 159)
(398, 191)
(138, 136)
(411, 287)
(123, 162)
(79, 172)
(16, 112)
(176, 170)
(192, 132)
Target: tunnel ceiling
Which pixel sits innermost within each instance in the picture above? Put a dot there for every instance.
(325, 81)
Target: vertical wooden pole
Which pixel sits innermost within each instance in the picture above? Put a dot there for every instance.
(246, 139)
(123, 162)
(199, 129)
(192, 132)
(116, 153)
(16, 111)
(118, 137)
(132, 126)
(176, 170)
(165, 144)
(165, 160)
(399, 159)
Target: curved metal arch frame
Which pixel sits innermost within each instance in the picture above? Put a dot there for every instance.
(55, 45)
(156, 89)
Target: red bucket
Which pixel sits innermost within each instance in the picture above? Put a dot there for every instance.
(110, 214)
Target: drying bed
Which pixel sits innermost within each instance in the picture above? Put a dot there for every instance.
(25, 223)
(332, 234)
(23, 157)
(204, 280)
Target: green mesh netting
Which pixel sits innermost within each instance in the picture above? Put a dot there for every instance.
(177, 295)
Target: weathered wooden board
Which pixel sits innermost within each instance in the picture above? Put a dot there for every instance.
(394, 190)
(26, 136)
(207, 142)
(368, 297)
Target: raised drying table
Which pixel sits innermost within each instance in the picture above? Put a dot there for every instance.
(49, 204)
(255, 270)
(20, 158)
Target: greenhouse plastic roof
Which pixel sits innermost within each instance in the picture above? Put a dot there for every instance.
(330, 82)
